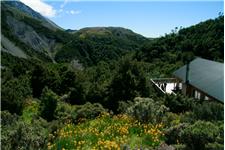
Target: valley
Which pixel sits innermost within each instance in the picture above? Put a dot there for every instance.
(91, 88)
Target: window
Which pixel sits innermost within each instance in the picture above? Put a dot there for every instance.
(197, 94)
(180, 85)
(206, 98)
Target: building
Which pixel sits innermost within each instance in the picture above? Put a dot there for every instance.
(201, 78)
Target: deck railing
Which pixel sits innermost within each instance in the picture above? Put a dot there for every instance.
(159, 81)
(167, 80)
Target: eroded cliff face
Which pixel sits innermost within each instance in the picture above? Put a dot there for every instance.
(30, 12)
(17, 31)
(29, 36)
(38, 37)
(10, 47)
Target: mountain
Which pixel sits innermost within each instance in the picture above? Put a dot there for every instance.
(27, 10)
(28, 34)
(49, 100)
(205, 40)
(18, 30)
(95, 44)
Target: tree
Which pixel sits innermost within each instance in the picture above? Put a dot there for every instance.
(43, 76)
(68, 79)
(147, 110)
(209, 111)
(48, 104)
(178, 103)
(77, 95)
(37, 80)
(13, 94)
(128, 83)
(199, 134)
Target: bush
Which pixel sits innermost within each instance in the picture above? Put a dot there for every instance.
(147, 110)
(48, 104)
(178, 103)
(42, 76)
(38, 76)
(128, 83)
(173, 134)
(122, 108)
(21, 135)
(220, 136)
(30, 110)
(187, 117)
(89, 111)
(7, 118)
(198, 135)
(209, 111)
(77, 96)
(64, 111)
(171, 119)
(13, 94)
(214, 146)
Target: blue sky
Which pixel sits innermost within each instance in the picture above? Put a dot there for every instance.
(149, 18)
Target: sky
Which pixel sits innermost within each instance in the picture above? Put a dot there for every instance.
(148, 18)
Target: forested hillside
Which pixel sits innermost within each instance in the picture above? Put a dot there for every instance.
(202, 40)
(92, 45)
(39, 38)
(91, 88)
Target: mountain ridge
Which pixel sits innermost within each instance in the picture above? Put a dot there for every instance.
(31, 32)
(37, 38)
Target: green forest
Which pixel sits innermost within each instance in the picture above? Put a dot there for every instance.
(109, 102)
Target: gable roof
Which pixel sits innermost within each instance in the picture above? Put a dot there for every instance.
(206, 75)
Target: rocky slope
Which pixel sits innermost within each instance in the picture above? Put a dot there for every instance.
(37, 37)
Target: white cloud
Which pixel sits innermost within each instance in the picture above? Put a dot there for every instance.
(41, 7)
(73, 12)
(66, 1)
(60, 10)
(64, 4)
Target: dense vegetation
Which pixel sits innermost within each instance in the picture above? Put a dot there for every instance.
(88, 45)
(92, 45)
(110, 103)
(9, 33)
(203, 40)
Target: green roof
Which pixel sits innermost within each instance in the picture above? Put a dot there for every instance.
(205, 75)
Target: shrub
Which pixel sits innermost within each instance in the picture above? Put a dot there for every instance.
(77, 95)
(48, 104)
(128, 83)
(198, 135)
(209, 111)
(187, 117)
(122, 107)
(64, 111)
(178, 103)
(220, 137)
(147, 110)
(173, 134)
(214, 146)
(42, 76)
(30, 110)
(89, 111)
(13, 94)
(21, 135)
(171, 119)
(38, 76)
(7, 118)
